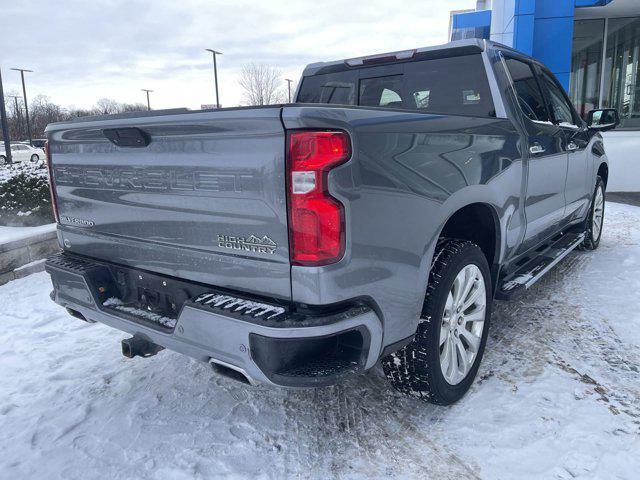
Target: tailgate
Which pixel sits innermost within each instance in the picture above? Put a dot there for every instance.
(204, 200)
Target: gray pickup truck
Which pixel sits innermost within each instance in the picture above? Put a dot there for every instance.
(373, 220)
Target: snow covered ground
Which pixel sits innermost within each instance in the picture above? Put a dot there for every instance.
(11, 234)
(558, 396)
(9, 171)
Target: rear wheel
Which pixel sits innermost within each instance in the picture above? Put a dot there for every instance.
(3, 159)
(35, 158)
(439, 365)
(595, 221)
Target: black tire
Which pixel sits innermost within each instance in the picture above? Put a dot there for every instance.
(591, 239)
(35, 158)
(3, 159)
(415, 369)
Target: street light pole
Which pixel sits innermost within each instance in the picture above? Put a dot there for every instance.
(5, 127)
(148, 103)
(215, 73)
(289, 87)
(24, 94)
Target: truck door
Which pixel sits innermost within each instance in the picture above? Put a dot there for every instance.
(545, 157)
(578, 187)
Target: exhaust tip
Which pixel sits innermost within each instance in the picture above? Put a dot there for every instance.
(231, 371)
(126, 348)
(78, 315)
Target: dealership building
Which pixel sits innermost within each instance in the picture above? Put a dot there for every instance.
(592, 46)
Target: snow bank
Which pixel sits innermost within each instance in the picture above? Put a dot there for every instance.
(11, 234)
(24, 194)
(558, 396)
(35, 169)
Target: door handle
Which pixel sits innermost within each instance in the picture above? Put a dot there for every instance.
(536, 148)
(572, 146)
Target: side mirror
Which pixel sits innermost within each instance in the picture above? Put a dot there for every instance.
(603, 120)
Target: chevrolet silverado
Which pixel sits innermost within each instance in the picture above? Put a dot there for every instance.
(372, 221)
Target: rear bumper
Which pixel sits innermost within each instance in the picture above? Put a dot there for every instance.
(290, 349)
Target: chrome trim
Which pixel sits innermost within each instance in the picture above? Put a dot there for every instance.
(253, 382)
(555, 261)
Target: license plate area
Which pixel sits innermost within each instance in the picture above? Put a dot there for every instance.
(156, 301)
(148, 298)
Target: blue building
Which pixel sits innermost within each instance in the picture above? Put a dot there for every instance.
(593, 46)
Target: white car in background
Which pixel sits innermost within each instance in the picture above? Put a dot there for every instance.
(21, 152)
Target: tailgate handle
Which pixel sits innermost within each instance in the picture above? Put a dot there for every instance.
(127, 137)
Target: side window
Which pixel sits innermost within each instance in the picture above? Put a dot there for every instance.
(381, 91)
(529, 95)
(454, 85)
(562, 112)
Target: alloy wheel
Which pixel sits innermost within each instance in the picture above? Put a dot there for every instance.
(598, 214)
(462, 324)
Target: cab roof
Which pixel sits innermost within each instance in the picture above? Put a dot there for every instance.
(455, 48)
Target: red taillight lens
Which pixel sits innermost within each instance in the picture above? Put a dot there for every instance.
(52, 187)
(316, 219)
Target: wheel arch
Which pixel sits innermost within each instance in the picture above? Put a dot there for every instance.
(479, 223)
(603, 172)
(494, 208)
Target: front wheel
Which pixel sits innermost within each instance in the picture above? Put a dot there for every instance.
(3, 159)
(35, 158)
(441, 362)
(595, 220)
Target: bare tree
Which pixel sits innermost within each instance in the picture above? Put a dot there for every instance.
(73, 112)
(262, 84)
(15, 114)
(107, 106)
(43, 112)
(133, 107)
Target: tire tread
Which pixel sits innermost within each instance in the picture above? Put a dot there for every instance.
(409, 369)
(589, 242)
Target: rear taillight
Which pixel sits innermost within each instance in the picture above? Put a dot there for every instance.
(316, 219)
(52, 187)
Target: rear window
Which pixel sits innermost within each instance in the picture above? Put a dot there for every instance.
(336, 88)
(454, 85)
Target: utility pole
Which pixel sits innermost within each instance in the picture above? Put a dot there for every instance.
(289, 87)
(24, 94)
(5, 127)
(15, 100)
(18, 113)
(215, 73)
(148, 103)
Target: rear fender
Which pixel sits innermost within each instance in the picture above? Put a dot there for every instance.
(475, 194)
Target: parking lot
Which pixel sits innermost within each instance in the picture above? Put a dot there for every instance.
(558, 396)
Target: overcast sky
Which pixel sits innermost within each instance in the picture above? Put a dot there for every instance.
(84, 50)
